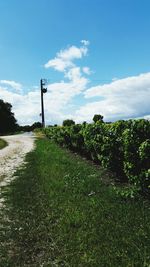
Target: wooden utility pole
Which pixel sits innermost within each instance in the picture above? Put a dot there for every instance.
(43, 90)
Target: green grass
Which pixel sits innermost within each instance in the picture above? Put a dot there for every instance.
(61, 214)
(3, 143)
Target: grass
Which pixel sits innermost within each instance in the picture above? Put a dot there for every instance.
(3, 143)
(61, 214)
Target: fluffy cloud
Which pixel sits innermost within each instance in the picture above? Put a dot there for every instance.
(64, 59)
(61, 94)
(12, 84)
(120, 99)
(85, 42)
(27, 106)
(86, 70)
(122, 87)
(58, 64)
(72, 53)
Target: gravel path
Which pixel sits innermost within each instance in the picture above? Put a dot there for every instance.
(12, 156)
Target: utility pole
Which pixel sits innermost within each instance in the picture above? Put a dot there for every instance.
(43, 91)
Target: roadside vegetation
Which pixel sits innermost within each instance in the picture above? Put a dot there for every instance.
(8, 122)
(123, 147)
(3, 143)
(61, 213)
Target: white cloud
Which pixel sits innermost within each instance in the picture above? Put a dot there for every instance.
(27, 106)
(61, 94)
(86, 70)
(125, 87)
(120, 99)
(85, 42)
(117, 101)
(58, 64)
(76, 77)
(13, 84)
(147, 117)
(72, 53)
(64, 58)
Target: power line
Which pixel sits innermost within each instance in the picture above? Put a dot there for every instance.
(91, 80)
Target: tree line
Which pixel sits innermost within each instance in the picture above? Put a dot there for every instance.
(8, 122)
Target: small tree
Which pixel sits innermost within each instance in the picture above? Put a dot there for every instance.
(68, 122)
(98, 117)
(36, 125)
(84, 123)
(8, 122)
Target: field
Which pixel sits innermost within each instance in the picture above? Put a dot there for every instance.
(61, 213)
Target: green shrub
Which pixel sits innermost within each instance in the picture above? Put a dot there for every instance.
(122, 147)
(135, 157)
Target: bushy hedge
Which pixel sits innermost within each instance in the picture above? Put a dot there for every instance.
(122, 147)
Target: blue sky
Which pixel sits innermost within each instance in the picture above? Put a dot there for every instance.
(103, 46)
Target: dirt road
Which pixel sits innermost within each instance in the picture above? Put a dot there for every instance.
(12, 156)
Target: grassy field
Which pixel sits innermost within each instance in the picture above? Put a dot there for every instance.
(3, 143)
(61, 214)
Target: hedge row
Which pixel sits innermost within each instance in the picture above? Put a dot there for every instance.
(122, 147)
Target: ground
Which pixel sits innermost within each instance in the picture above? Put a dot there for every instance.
(59, 212)
(13, 155)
